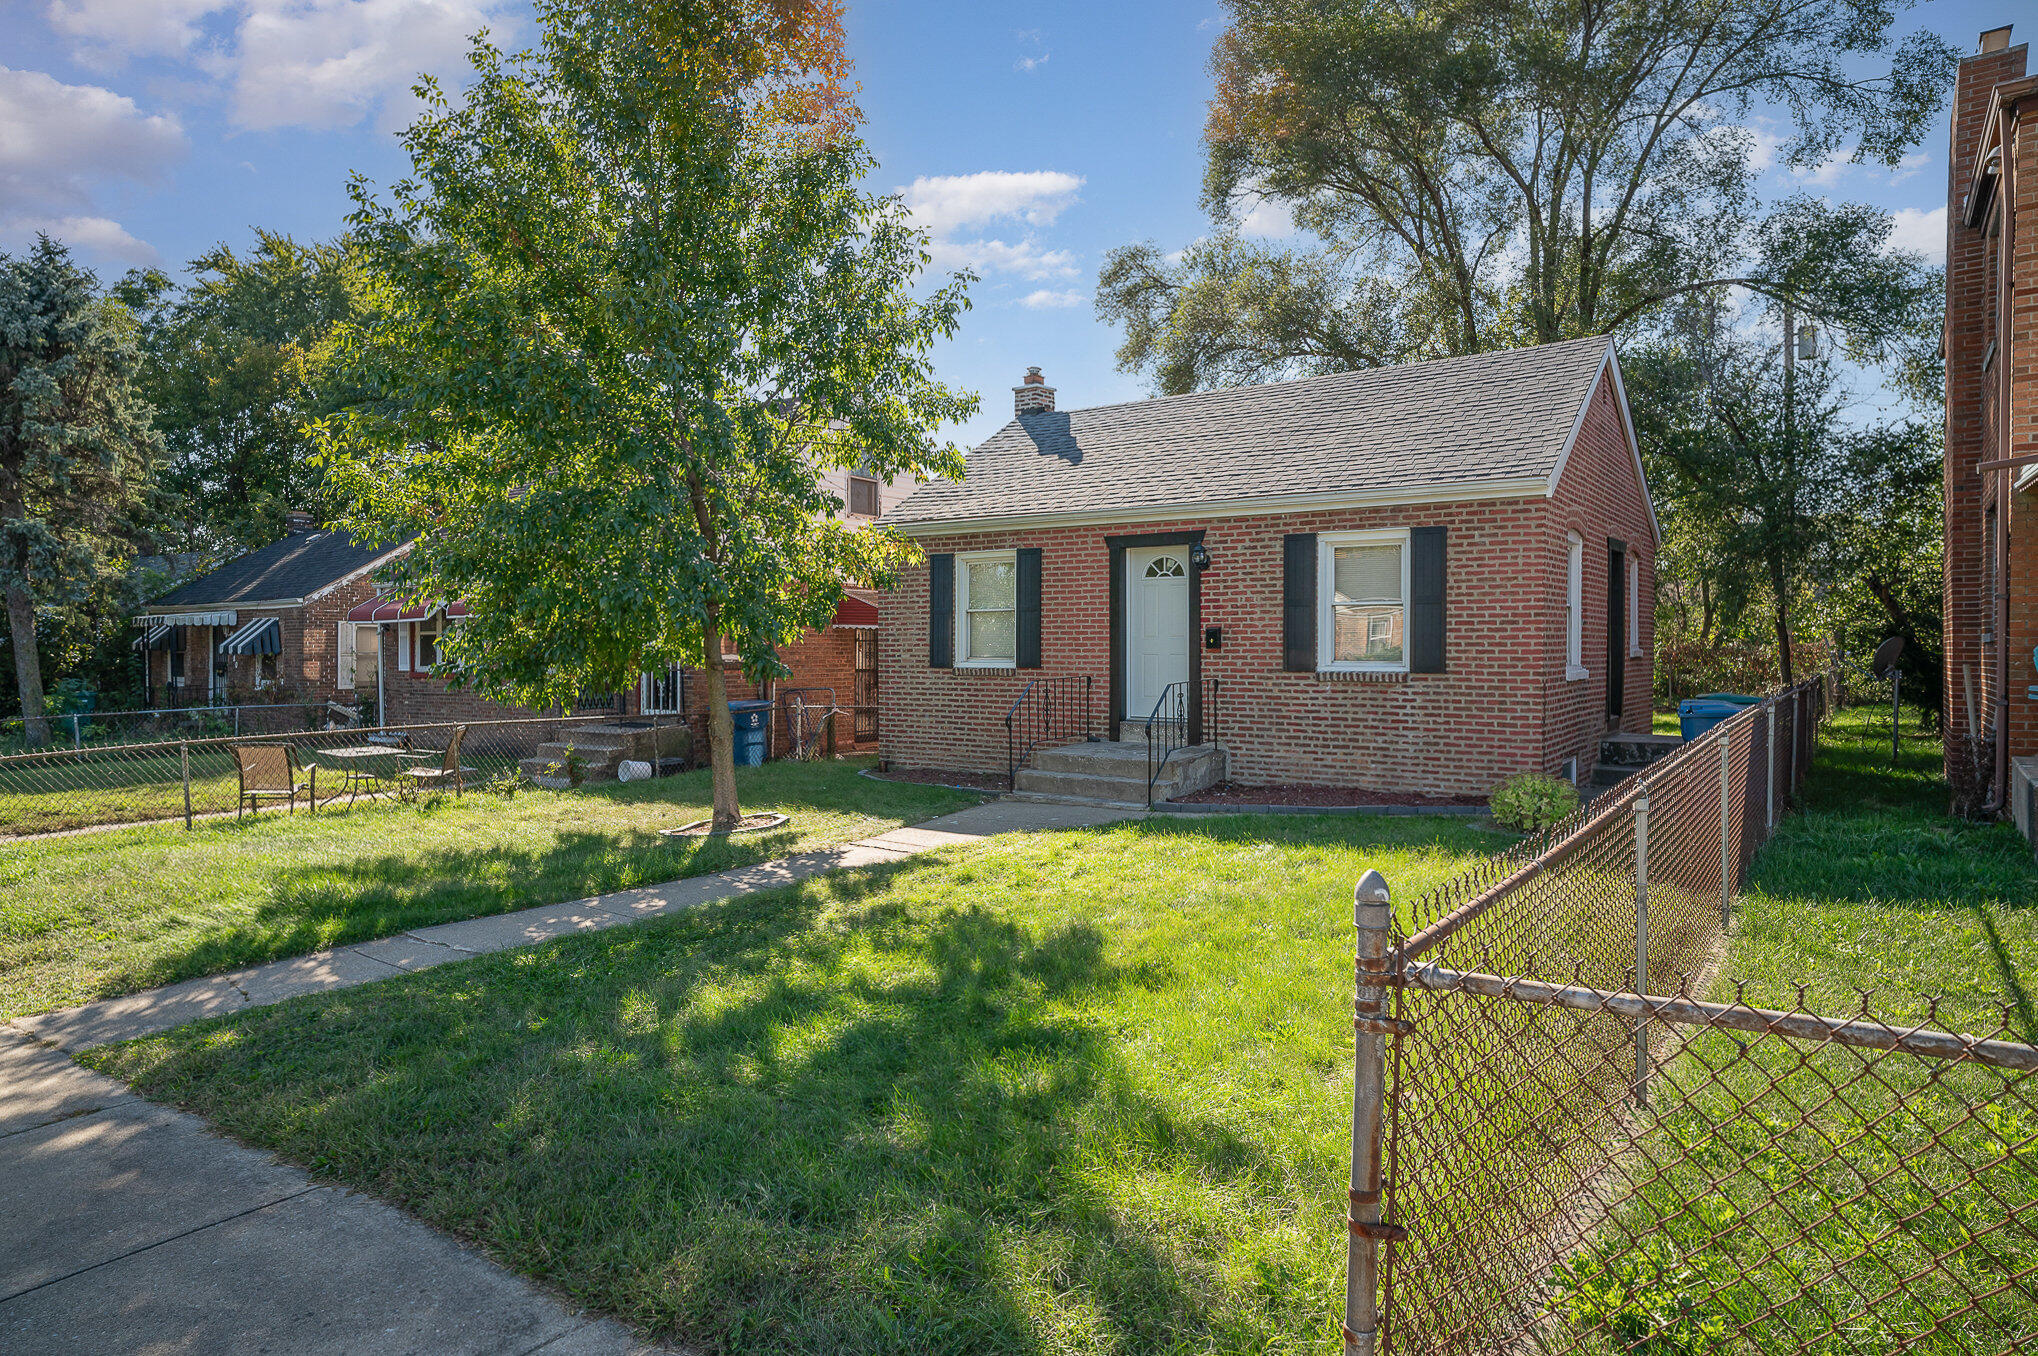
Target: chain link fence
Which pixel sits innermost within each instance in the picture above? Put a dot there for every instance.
(1571, 1136)
(181, 780)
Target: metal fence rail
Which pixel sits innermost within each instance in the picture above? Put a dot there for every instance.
(181, 780)
(1564, 1141)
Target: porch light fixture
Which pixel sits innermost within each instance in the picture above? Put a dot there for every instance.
(1199, 556)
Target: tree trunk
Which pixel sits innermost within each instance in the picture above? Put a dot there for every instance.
(1777, 585)
(27, 666)
(721, 729)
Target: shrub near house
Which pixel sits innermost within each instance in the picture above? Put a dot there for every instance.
(1416, 579)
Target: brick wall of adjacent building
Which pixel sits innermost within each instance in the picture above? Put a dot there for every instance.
(1991, 344)
(1499, 708)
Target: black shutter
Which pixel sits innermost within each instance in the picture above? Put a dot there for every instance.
(941, 612)
(1298, 602)
(1029, 607)
(1426, 600)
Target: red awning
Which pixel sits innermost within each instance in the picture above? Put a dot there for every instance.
(855, 611)
(389, 610)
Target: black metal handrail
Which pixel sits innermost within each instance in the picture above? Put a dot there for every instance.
(1046, 710)
(1171, 719)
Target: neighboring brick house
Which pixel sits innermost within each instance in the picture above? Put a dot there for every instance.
(264, 625)
(1991, 486)
(1415, 579)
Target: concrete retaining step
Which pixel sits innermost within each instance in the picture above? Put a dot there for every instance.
(1116, 773)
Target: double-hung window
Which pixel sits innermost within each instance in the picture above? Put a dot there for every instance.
(987, 609)
(426, 652)
(1362, 592)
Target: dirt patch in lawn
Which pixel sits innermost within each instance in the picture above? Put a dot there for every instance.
(1231, 793)
(701, 828)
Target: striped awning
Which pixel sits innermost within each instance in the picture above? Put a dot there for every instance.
(386, 610)
(157, 637)
(260, 636)
(224, 617)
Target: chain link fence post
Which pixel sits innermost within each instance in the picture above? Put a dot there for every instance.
(1726, 829)
(1373, 917)
(1642, 945)
(1769, 742)
(184, 767)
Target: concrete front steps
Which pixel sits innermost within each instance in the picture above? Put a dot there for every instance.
(1622, 755)
(1115, 774)
(600, 748)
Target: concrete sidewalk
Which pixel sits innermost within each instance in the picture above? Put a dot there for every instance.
(133, 1228)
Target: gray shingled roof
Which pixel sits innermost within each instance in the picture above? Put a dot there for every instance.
(296, 567)
(1485, 418)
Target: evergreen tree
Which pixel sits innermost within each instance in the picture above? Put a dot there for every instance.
(77, 448)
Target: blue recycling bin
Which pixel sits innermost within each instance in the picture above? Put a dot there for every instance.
(1733, 698)
(752, 720)
(1696, 715)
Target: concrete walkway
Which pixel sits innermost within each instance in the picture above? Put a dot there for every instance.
(133, 1228)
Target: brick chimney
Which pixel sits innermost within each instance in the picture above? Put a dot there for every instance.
(297, 520)
(1034, 396)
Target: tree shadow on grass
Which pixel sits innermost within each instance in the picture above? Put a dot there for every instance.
(822, 1119)
(309, 907)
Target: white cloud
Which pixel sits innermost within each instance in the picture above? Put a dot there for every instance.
(1270, 219)
(1032, 50)
(59, 142)
(1030, 64)
(292, 63)
(954, 209)
(91, 235)
(1921, 231)
(333, 63)
(107, 32)
(1047, 299)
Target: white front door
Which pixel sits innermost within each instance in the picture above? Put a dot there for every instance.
(1156, 625)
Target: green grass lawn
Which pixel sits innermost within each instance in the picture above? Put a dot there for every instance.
(65, 790)
(107, 913)
(1054, 1093)
(1872, 887)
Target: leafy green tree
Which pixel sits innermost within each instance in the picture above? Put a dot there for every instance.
(629, 307)
(1483, 175)
(77, 449)
(229, 371)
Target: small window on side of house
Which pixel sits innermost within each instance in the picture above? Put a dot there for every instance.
(987, 609)
(1574, 607)
(863, 496)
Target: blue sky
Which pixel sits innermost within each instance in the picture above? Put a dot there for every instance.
(1029, 138)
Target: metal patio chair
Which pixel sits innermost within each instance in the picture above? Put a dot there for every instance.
(423, 776)
(271, 772)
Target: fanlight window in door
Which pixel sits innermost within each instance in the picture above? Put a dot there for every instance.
(1164, 567)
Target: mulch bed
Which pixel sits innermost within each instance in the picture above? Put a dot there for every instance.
(1231, 793)
(965, 781)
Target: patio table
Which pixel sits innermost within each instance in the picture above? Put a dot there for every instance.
(362, 768)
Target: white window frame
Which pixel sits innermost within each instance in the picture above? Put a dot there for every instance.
(960, 627)
(1574, 609)
(1634, 606)
(1326, 600)
(437, 623)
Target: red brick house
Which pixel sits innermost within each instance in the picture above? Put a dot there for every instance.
(265, 625)
(1991, 348)
(1416, 579)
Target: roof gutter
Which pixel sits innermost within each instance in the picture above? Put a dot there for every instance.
(222, 605)
(1518, 487)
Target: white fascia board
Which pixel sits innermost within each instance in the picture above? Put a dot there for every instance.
(1520, 487)
(1609, 367)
